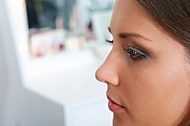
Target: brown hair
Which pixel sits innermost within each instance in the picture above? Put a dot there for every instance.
(174, 17)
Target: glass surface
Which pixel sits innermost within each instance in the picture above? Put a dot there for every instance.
(66, 25)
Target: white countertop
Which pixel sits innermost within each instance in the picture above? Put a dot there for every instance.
(67, 78)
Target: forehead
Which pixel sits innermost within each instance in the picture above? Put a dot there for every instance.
(128, 14)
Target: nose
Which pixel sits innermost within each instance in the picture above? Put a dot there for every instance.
(108, 72)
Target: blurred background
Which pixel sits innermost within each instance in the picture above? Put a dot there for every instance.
(49, 52)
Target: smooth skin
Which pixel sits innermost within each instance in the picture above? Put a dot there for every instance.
(147, 71)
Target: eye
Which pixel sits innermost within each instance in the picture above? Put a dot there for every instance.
(135, 54)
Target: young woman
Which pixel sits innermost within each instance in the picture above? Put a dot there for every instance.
(148, 69)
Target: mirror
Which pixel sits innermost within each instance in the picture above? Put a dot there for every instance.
(66, 25)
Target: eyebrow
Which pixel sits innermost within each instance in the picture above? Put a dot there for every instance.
(128, 35)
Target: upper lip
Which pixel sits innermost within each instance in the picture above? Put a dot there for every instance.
(110, 99)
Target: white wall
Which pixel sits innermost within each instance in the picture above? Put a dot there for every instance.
(3, 73)
(18, 106)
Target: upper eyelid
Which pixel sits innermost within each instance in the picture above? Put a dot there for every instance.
(135, 44)
(139, 55)
(140, 47)
(137, 50)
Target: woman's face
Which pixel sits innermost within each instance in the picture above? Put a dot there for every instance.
(147, 71)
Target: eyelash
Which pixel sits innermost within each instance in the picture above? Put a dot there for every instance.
(109, 41)
(135, 54)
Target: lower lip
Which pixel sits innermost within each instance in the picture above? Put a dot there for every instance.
(114, 107)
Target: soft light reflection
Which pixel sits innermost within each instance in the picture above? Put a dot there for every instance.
(17, 3)
(23, 50)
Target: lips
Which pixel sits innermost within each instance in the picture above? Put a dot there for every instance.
(113, 106)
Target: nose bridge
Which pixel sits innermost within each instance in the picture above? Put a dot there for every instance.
(108, 71)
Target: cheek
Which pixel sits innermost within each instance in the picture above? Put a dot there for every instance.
(170, 81)
(169, 90)
(157, 94)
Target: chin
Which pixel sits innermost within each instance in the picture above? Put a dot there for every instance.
(121, 121)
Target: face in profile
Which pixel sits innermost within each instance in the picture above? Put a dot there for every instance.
(147, 71)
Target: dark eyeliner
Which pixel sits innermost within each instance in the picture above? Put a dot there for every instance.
(135, 54)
